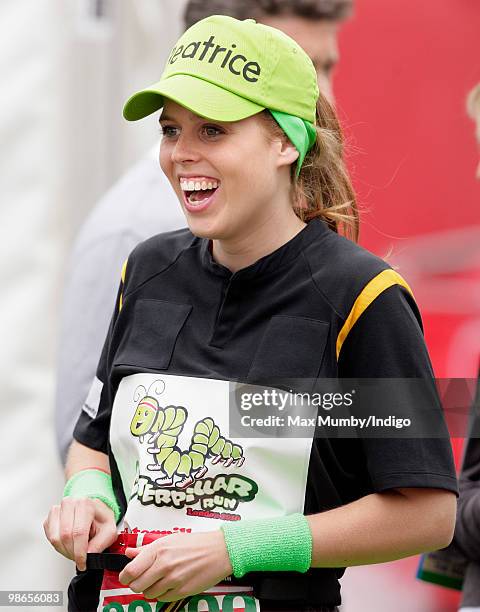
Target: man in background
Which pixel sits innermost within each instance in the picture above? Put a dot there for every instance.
(313, 24)
(467, 528)
(458, 565)
(142, 204)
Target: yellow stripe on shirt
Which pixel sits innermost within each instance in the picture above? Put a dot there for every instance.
(369, 293)
(124, 272)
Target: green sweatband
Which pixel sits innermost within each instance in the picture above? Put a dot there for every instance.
(95, 484)
(281, 544)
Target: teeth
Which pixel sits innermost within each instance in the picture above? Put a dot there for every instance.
(187, 185)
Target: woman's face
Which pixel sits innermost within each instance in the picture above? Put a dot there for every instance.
(230, 177)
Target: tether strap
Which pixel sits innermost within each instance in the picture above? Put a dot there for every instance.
(107, 561)
(116, 563)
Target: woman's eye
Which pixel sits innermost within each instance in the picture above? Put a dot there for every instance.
(212, 130)
(169, 131)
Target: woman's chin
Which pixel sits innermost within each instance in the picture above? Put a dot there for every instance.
(203, 228)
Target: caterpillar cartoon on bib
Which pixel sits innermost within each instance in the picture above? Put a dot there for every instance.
(165, 426)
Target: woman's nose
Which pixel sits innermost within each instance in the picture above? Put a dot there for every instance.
(184, 150)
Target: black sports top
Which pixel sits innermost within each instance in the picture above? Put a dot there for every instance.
(184, 325)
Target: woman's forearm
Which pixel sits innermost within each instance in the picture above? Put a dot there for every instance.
(383, 527)
(81, 457)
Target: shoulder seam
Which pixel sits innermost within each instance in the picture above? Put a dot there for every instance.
(169, 265)
(319, 289)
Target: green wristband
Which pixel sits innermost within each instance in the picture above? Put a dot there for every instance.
(95, 484)
(281, 544)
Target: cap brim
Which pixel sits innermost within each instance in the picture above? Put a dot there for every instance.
(201, 97)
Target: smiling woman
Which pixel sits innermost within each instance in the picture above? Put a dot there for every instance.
(251, 173)
(260, 289)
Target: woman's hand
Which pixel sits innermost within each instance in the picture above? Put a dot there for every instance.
(78, 526)
(177, 565)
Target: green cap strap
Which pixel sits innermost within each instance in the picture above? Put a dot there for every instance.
(273, 544)
(302, 133)
(93, 483)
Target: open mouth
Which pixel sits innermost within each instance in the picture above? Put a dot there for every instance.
(198, 193)
(199, 197)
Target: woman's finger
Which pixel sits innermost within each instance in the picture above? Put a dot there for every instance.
(66, 517)
(47, 523)
(131, 553)
(84, 515)
(163, 590)
(151, 576)
(143, 562)
(51, 527)
(104, 535)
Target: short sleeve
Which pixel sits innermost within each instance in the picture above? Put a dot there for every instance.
(387, 342)
(92, 427)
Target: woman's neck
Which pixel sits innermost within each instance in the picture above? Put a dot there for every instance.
(264, 239)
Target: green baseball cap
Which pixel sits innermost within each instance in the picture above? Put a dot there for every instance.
(225, 69)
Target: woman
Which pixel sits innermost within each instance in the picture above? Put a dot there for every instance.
(260, 289)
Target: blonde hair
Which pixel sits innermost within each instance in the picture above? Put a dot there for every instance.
(323, 188)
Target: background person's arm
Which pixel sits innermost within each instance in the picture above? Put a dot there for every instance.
(467, 530)
(88, 302)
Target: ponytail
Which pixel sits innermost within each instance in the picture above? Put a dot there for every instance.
(323, 188)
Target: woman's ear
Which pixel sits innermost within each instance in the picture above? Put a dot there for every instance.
(287, 153)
